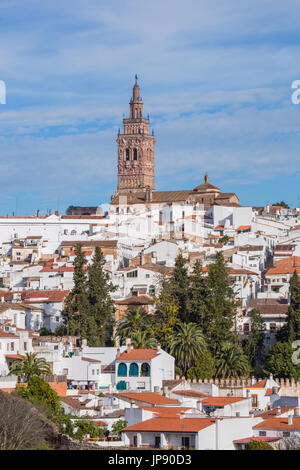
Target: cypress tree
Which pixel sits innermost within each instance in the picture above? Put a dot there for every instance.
(293, 320)
(254, 344)
(197, 297)
(220, 304)
(179, 287)
(76, 307)
(101, 306)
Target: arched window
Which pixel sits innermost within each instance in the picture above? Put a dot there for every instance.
(135, 154)
(127, 154)
(133, 370)
(122, 370)
(145, 370)
(73, 232)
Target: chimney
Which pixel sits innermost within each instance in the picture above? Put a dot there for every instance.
(290, 420)
(253, 380)
(181, 414)
(118, 352)
(199, 405)
(57, 213)
(278, 411)
(129, 347)
(296, 412)
(2, 299)
(158, 347)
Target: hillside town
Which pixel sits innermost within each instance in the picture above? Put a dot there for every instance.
(158, 254)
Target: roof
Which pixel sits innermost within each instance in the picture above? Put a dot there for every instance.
(138, 355)
(190, 393)
(246, 440)
(136, 300)
(222, 401)
(273, 412)
(269, 306)
(14, 356)
(279, 423)
(45, 296)
(4, 334)
(243, 228)
(166, 411)
(172, 425)
(259, 384)
(91, 243)
(283, 270)
(148, 397)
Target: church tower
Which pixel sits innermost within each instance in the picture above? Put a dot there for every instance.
(135, 149)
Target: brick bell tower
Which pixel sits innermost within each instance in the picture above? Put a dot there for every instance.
(135, 149)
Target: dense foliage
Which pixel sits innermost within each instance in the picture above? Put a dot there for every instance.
(88, 310)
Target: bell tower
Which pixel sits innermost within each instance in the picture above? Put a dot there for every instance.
(135, 149)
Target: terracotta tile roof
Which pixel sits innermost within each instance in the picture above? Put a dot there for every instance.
(279, 423)
(273, 412)
(259, 384)
(246, 440)
(290, 261)
(250, 248)
(148, 397)
(243, 228)
(14, 356)
(166, 411)
(138, 355)
(91, 243)
(4, 334)
(222, 401)
(190, 393)
(88, 359)
(136, 300)
(172, 425)
(269, 306)
(283, 270)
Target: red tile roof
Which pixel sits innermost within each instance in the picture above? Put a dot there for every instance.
(172, 425)
(246, 440)
(222, 401)
(138, 355)
(279, 423)
(166, 411)
(260, 384)
(190, 393)
(148, 397)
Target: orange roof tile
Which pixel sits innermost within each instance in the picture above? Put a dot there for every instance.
(260, 384)
(166, 411)
(138, 355)
(148, 397)
(279, 423)
(222, 401)
(172, 425)
(190, 393)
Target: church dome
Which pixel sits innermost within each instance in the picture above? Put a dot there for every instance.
(206, 187)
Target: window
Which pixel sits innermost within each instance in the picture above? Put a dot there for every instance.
(12, 346)
(93, 371)
(135, 154)
(132, 274)
(145, 370)
(25, 346)
(286, 434)
(133, 370)
(254, 401)
(152, 290)
(122, 370)
(127, 153)
(147, 276)
(262, 433)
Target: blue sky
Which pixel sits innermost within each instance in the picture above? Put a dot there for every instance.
(215, 77)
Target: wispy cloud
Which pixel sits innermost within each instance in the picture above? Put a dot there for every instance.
(215, 78)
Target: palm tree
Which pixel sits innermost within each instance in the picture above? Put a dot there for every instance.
(30, 366)
(231, 362)
(142, 340)
(186, 344)
(133, 320)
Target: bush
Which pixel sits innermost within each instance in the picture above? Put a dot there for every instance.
(39, 392)
(118, 426)
(204, 367)
(259, 445)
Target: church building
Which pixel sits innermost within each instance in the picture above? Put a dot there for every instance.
(136, 178)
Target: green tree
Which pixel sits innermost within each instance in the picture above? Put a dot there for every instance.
(281, 204)
(254, 344)
(180, 283)
(220, 306)
(84, 427)
(258, 445)
(142, 340)
(231, 362)
(225, 239)
(29, 366)
(76, 309)
(39, 391)
(279, 361)
(165, 319)
(101, 307)
(204, 367)
(293, 319)
(186, 344)
(197, 310)
(118, 426)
